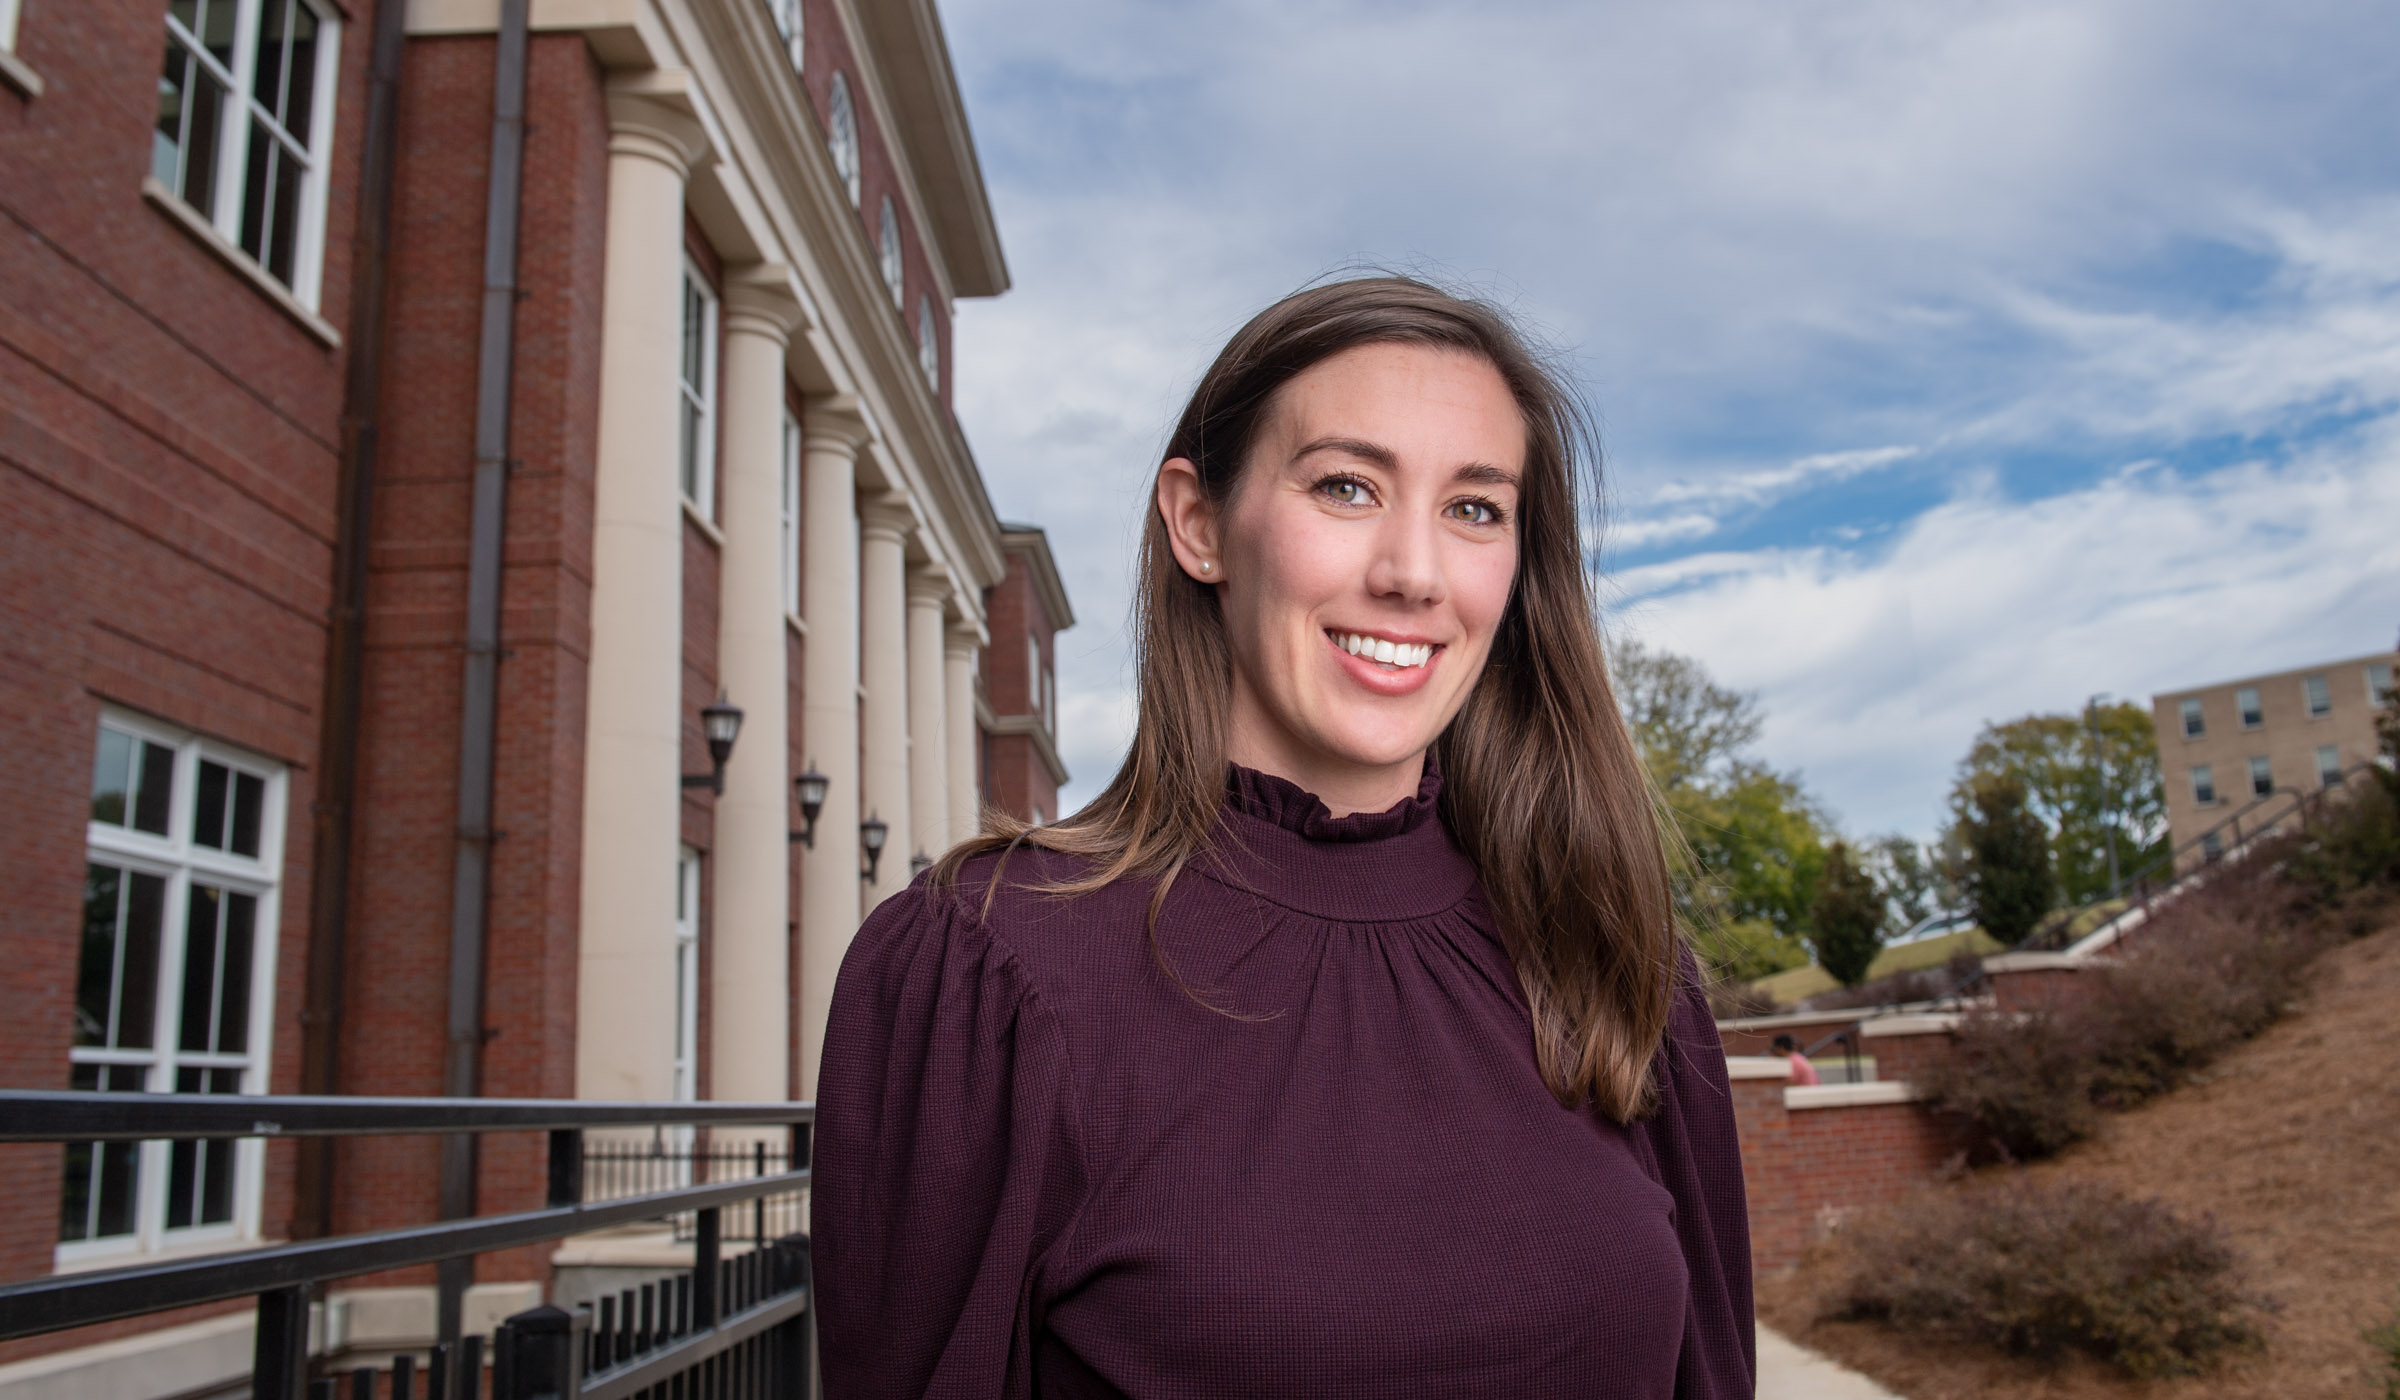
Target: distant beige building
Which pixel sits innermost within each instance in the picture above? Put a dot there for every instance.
(2223, 748)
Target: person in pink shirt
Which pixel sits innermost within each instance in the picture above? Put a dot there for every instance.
(1802, 1071)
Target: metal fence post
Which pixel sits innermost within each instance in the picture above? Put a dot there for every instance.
(279, 1357)
(705, 1252)
(566, 1166)
(537, 1354)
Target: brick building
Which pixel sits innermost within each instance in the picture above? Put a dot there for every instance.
(365, 592)
(2233, 747)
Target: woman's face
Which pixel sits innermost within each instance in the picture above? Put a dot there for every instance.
(1363, 564)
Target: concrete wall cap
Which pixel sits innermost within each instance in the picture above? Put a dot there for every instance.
(2035, 962)
(1880, 1091)
(1757, 1067)
(1931, 1023)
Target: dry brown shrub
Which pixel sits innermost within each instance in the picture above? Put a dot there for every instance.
(2043, 1270)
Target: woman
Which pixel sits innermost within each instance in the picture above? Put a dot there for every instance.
(1342, 1046)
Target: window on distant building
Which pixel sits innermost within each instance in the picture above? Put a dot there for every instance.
(2194, 725)
(697, 443)
(2246, 700)
(1033, 674)
(842, 135)
(887, 245)
(2320, 696)
(790, 23)
(687, 975)
(2379, 683)
(929, 345)
(245, 107)
(2262, 777)
(2211, 846)
(2204, 785)
(182, 854)
(2329, 765)
(791, 514)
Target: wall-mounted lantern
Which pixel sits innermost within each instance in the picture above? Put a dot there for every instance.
(810, 787)
(918, 864)
(721, 724)
(872, 833)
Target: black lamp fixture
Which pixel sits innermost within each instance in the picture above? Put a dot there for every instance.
(872, 833)
(918, 864)
(721, 724)
(810, 787)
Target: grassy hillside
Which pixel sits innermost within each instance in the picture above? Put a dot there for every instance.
(1792, 985)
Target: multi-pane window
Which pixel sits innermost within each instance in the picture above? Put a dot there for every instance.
(2204, 785)
(791, 514)
(696, 445)
(887, 252)
(172, 984)
(2194, 725)
(929, 345)
(2320, 696)
(687, 975)
(2262, 777)
(2246, 701)
(791, 24)
(245, 116)
(2329, 765)
(2379, 683)
(2211, 845)
(841, 135)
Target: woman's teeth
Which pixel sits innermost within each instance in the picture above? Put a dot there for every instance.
(1389, 653)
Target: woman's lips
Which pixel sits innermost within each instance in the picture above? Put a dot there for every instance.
(1410, 665)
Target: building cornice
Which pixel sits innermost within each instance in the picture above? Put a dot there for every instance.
(1034, 543)
(930, 120)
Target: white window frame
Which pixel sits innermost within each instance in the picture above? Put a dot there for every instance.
(2329, 764)
(2248, 708)
(234, 124)
(685, 1069)
(889, 255)
(178, 859)
(841, 136)
(790, 521)
(2204, 785)
(929, 343)
(793, 25)
(2315, 688)
(696, 396)
(2379, 683)
(2262, 777)
(8, 26)
(2195, 718)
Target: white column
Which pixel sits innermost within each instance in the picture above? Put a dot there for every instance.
(625, 988)
(958, 698)
(928, 746)
(830, 437)
(750, 973)
(884, 526)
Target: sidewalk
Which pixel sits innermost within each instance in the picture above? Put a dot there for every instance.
(1788, 1371)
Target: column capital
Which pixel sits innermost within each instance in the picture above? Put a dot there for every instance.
(887, 516)
(965, 637)
(761, 299)
(837, 418)
(654, 115)
(929, 583)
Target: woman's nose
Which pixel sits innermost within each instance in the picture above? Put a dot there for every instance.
(1406, 565)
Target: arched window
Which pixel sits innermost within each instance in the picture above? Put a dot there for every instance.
(788, 20)
(929, 345)
(887, 243)
(843, 136)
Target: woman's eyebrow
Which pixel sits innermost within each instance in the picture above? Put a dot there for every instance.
(1375, 452)
(1485, 473)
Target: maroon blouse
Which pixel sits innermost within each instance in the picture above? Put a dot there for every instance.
(1044, 1169)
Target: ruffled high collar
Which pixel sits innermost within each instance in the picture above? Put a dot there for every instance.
(1301, 812)
(1280, 843)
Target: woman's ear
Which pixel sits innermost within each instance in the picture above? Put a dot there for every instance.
(1191, 522)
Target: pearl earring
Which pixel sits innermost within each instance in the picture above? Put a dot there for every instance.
(1206, 566)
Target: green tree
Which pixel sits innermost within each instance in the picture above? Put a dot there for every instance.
(1914, 883)
(2009, 881)
(1751, 841)
(2086, 795)
(1846, 922)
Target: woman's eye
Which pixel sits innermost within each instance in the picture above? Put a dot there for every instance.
(1348, 490)
(1476, 512)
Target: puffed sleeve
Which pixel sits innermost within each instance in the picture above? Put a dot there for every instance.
(1696, 1155)
(948, 1160)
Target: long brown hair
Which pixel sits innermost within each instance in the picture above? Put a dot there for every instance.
(1541, 782)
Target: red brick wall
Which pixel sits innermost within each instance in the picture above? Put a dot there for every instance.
(169, 444)
(2035, 989)
(1016, 781)
(1805, 1168)
(1905, 1057)
(399, 960)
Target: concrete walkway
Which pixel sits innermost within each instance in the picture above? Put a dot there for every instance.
(1789, 1371)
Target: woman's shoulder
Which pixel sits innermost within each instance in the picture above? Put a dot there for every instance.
(1021, 912)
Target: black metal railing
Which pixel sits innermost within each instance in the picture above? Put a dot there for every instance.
(615, 1170)
(737, 1326)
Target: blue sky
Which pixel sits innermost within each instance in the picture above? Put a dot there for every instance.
(1953, 362)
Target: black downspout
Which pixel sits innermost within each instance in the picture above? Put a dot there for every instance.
(345, 640)
(470, 888)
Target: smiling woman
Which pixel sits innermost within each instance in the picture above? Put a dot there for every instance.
(1342, 1046)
